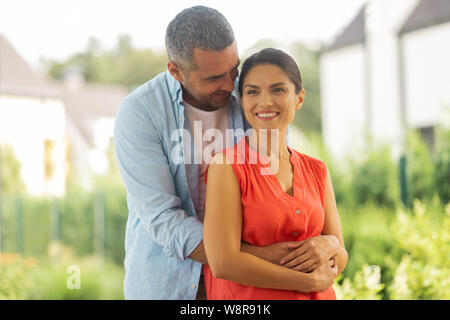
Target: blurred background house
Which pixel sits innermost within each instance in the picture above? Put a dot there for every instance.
(56, 129)
(389, 70)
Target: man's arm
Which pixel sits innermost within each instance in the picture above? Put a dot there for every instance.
(272, 253)
(145, 171)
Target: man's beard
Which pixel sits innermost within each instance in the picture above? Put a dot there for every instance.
(208, 103)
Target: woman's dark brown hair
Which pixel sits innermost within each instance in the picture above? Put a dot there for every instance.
(274, 57)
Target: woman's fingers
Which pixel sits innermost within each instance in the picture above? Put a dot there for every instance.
(298, 260)
(294, 254)
(311, 265)
(306, 267)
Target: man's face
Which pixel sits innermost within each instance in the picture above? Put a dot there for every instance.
(210, 84)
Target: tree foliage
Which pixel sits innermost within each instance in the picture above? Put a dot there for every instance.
(124, 64)
(11, 181)
(308, 118)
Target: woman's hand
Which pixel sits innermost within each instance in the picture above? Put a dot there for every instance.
(276, 252)
(323, 276)
(311, 253)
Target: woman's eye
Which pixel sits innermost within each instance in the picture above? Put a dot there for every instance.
(251, 92)
(278, 90)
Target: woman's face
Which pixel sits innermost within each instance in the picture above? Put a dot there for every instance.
(269, 98)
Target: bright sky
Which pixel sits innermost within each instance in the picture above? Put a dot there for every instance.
(60, 28)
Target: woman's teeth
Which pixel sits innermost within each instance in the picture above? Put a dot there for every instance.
(267, 115)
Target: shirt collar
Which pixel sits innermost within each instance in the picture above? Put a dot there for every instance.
(174, 88)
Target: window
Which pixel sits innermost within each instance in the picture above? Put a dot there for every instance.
(428, 136)
(49, 159)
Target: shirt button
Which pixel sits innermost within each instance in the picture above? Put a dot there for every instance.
(298, 211)
(193, 286)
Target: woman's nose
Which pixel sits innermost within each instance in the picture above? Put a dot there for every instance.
(265, 99)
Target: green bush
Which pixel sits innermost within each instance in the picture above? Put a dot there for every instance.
(442, 164)
(14, 279)
(76, 225)
(48, 278)
(99, 280)
(11, 181)
(423, 271)
(366, 285)
(33, 222)
(27, 225)
(420, 168)
(369, 239)
(408, 252)
(116, 212)
(375, 179)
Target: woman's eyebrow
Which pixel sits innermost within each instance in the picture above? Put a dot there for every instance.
(277, 84)
(271, 86)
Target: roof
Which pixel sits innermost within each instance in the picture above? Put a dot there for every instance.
(353, 34)
(427, 13)
(83, 104)
(16, 76)
(90, 102)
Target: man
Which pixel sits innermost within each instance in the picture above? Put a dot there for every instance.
(160, 166)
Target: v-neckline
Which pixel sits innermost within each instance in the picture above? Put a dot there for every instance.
(277, 182)
(273, 177)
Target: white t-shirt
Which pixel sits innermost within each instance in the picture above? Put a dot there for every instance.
(206, 144)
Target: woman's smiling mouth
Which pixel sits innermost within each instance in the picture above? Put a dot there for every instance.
(267, 115)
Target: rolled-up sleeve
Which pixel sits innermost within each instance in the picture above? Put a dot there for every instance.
(145, 170)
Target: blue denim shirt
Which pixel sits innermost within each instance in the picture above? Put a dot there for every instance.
(162, 228)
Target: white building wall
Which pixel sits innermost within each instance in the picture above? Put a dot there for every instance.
(80, 150)
(384, 19)
(427, 75)
(342, 82)
(25, 123)
(103, 133)
(371, 74)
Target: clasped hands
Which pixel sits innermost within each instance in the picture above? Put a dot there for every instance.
(316, 255)
(307, 255)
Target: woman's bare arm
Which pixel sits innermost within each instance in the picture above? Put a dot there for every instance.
(222, 239)
(332, 225)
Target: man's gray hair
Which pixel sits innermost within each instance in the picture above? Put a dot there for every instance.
(196, 27)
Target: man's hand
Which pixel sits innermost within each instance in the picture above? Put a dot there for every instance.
(311, 253)
(272, 253)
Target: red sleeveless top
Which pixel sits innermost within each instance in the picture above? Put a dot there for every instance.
(271, 215)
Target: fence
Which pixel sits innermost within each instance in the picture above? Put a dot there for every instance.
(90, 223)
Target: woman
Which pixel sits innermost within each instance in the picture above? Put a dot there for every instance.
(282, 196)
